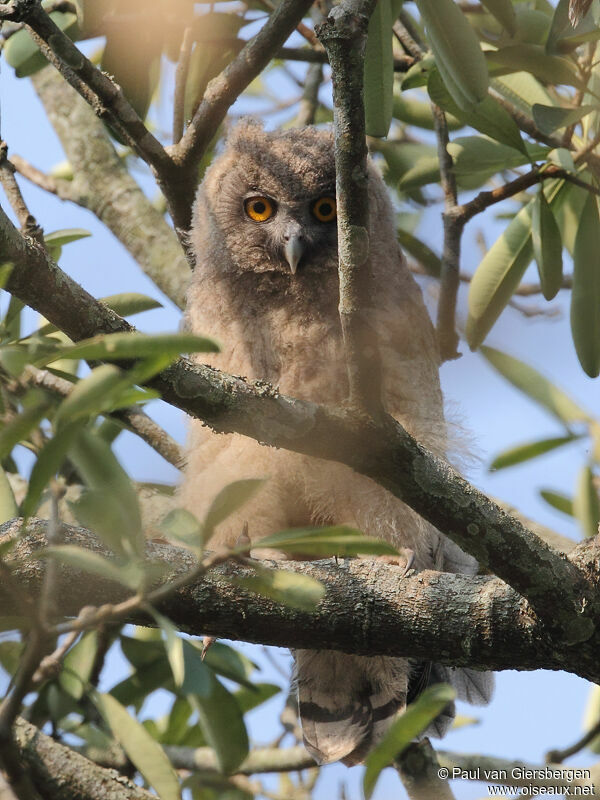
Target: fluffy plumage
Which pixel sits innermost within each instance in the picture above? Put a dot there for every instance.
(267, 289)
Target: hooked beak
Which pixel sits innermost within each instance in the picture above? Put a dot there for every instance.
(293, 251)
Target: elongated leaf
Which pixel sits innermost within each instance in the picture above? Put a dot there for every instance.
(21, 426)
(229, 663)
(145, 753)
(478, 154)
(182, 525)
(8, 504)
(536, 386)
(522, 89)
(586, 505)
(229, 499)
(174, 647)
(118, 346)
(66, 236)
(129, 303)
(338, 540)
(504, 12)
(78, 665)
(456, 49)
(49, 461)
(287, 588)
(487, 117)
(550, 118)
(532, 58)
(498, 275)
(426, 170)
(407, 727)
(547, 246)
(121, 528)
(525, 452)
(419, 250)
(223, 726)
(379, 71)
(198, 679)
(256, 695)
(558, 501)
(93, 394)
(88, 561)
(585, 295)
(418, 113)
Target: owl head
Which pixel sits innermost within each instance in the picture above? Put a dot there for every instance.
(267, 203)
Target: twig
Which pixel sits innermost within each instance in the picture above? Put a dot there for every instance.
(181, 75)
(224, 90)
(27, 221)
(309, 102)
(419, 770)
(558, 756)
(344, 36)
(446, 313)
(50, 665)
(134, 418)
(401, 63)
(39, 178)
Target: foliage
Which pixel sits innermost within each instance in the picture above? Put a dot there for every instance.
(519, 88)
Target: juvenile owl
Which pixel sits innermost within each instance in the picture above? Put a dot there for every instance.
(265, 286)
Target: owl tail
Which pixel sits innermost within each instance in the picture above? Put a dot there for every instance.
(347, 703)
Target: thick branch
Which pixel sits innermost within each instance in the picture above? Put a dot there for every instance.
(344, 35)
(62, 774)
(369, 608)
(382, 450)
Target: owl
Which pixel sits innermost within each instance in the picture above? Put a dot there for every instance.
(265, 286)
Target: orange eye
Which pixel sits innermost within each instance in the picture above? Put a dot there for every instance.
(260, 209)
(324, 209)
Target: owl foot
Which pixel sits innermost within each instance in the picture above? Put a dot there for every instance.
(405, 559)
(207, 642)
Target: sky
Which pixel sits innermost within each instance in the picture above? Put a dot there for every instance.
(531, 712)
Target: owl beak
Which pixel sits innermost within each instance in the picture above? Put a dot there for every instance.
(293, 250)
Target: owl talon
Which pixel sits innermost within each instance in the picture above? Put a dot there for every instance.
(207, 642)
(405, 559)
(243, 539)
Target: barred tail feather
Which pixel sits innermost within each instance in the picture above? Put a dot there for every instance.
(347, 703)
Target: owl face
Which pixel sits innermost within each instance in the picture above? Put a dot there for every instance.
(270, 198)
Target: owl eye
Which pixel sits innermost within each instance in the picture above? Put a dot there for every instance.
(260, 209)
(324, 209)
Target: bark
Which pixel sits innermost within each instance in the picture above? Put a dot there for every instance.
(369, 608)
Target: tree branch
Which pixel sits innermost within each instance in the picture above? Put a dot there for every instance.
(63, 774)
(344, 36)
(382, 450)
(368, 608)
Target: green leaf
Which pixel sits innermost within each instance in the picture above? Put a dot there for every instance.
(424, 171)
(259, 693)
(22, 53)
(88, 561)
(525, 452)
(8, 504)
(145, 753)
(522, 89)
(97, 392)
(66, 236)
(419, 250)
(558, 501)
(338, 540)
(457, 51)
(229, 499)
(287, 588)
(585, 295)
(223, 725)
(554, 70)
(547, 246)
(182, 525)
(586, 504)
(229, 663)
(19, 428)
(198, 680)
(478, 155)
(504, 12)
(487, 117)
(129, 303)
(536, 386)
(117, 346)
(550, 118)
(418, 113)
(173, 645)
(120, 526)
(49, 461)
(78, 665)
(404, 730)
(379, 71)
(498, 275)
